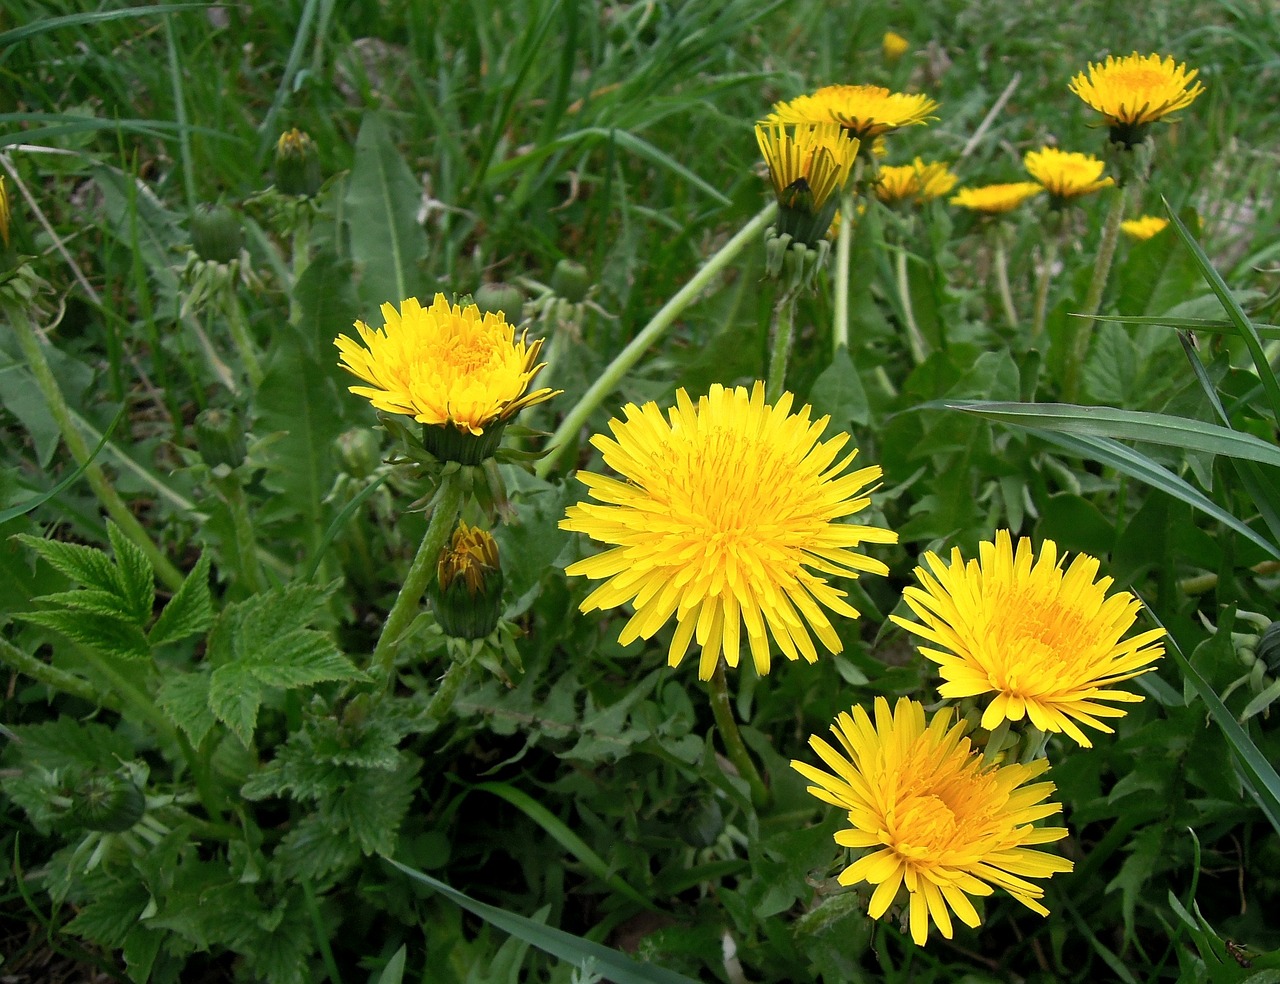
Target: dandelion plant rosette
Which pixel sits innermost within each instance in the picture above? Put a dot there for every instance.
(1135, 91)
(931, 818)
(725, 516)
(460, 373)
(1043, 643)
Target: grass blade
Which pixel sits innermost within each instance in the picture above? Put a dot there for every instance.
(13, 512)
(14, 35)
(574, 950)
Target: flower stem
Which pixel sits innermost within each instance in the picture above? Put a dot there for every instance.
(441, 702)
(914, 338)
(245, 541)
(74, 440)
(240, 336)
(1042, 287)
(784, 320)
(844, 251)
(732, 739)
(444, 513)
(22, 662)
(651, 332)
(1002, 276)
(1082, 327)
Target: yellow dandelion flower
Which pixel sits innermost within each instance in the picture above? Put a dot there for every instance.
(932, 817)
(894, 46)
(5, 216)
(1047, 644)
(444, 366)
(863, 110)
(1134, 91)
(726, 515)
(996, 198)
(808, 164)
(936, 179)
(897, 183)
(1066, 174)
(1143, 227)
(467, 593)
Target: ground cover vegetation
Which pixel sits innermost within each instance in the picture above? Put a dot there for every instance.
(646, 492)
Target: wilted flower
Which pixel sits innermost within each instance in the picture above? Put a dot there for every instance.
(723, 507)
(1066, 175)
(1135, 91)
(1045, 643)
(931, 816)
(865, 111)
(996, 198)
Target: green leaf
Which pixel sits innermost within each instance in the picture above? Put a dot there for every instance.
(84, 565)
(234, 698)
(382, 199)
(185, 699)
(574, 950)
(373, 804)
(1127, 425)
(838, 392)
(112, 910)
(189, 612)
(105, 633)
(136, 577)
(44, 24)
(299, 659)
(315, 848)
(66, 743)
(393, 972)
(22, 508)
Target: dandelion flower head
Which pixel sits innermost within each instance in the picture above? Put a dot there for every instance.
(995, 199)
(445, 365)
(1066, 174)
(931, 816)
(894, 46)
(1136, 90)
(1046, 644)
(808, 164)
(726, 516)
(1143, 227)
(914, 182)
(865, 111)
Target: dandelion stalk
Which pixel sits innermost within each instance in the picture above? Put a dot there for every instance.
(74, 440)
(444, 513)
(914, 338)
(658, 324)
(240, 336)
(1002, 275)
(734, 746)
(28, 665)
(1082, 327)
(784, 319)
(1042, 287)
(844, 253)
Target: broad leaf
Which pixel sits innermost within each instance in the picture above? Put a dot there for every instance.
(189, 612)
(185, 700)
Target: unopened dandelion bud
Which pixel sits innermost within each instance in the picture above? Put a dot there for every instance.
(500, 298)
(359, 451)
(570, 280)
(467, 594)
(220, 437)
(216, 233)
(297, 164)
(111, 804)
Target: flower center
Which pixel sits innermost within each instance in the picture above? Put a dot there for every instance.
(925, 824)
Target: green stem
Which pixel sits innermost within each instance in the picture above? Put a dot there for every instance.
(74, 440)
(1002, 276)
(51, 676)
(444, 515)
(784, 320)
(651, 332)
(301, 260)
(732, 739)
(914, 338)
(844, 251)
(1042, 287)
(995, 742)
(240, 336)
(441, 702)
(1082, 327)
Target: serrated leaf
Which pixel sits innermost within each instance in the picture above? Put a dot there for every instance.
(105, 603)
(134, 575)
(84, 565)
(838, 392)
(68, 743)
(189, 612)
(260, 621)
(234, 697)
(373, 805)
(184, 697)
(314, 848)
(299, 659)
(112, 910)
(106, 634)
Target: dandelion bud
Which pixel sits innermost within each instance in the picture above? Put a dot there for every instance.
(500, 298)
(360, 452)
(216, 233)
(297, 165)
(220, 438)
(570, 280)
(467, 595)
(111, 804)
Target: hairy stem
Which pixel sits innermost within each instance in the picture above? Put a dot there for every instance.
(914, 338)
(1042, 287)
(784, 319)
(731, 737)
(1082, 327)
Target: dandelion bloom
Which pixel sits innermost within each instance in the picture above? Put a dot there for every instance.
(808, 164)
(894, 46)
(936, 180)
(1135, 91)
(725, 506)
(863, 110)
(1143, 227)
(932, 817)
(1066, 174)
(1047, 644)
(445, 365)
(996, 198)
(917, 182)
